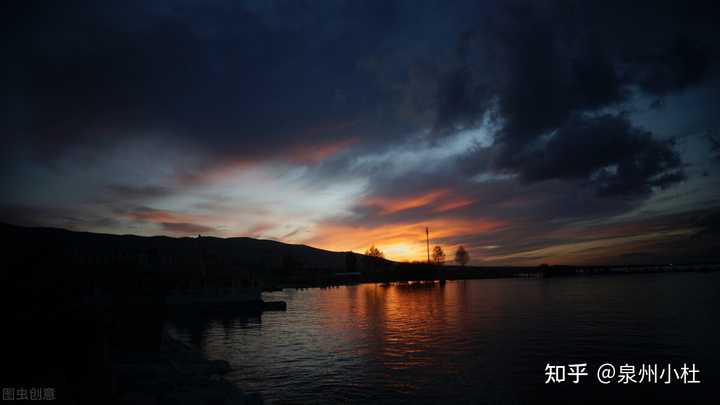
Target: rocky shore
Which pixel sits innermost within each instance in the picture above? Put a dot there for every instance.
(176, 374)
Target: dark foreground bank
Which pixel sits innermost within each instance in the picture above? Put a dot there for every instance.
(112, 355)
(176, 374)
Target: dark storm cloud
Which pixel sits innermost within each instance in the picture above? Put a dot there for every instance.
(615, 157)
(245, 79)
(557, 82)
(237, 81)
(543, 69)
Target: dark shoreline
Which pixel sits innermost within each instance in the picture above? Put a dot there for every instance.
(176, 374)
(479, 273)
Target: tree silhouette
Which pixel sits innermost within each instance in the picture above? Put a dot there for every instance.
(462, 257)
(374, 252)
(438, 256)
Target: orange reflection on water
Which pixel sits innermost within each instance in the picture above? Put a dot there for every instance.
(401, 322)
(414, 325)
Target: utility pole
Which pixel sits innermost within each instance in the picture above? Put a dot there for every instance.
(427, 238)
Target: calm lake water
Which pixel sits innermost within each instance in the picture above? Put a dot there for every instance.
(474, 341)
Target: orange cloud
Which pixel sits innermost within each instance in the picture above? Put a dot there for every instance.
(453, 204)
(390, 205)
(317, 153)
(302, 154)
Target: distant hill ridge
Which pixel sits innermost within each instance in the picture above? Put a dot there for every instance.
(247, 251)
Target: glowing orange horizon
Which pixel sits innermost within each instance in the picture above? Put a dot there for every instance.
(400, 242)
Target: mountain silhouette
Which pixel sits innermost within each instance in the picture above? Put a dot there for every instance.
(30, 244)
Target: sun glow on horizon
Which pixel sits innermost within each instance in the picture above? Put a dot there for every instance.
(400, 242)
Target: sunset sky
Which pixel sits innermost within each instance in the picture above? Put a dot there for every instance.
(528, 131)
